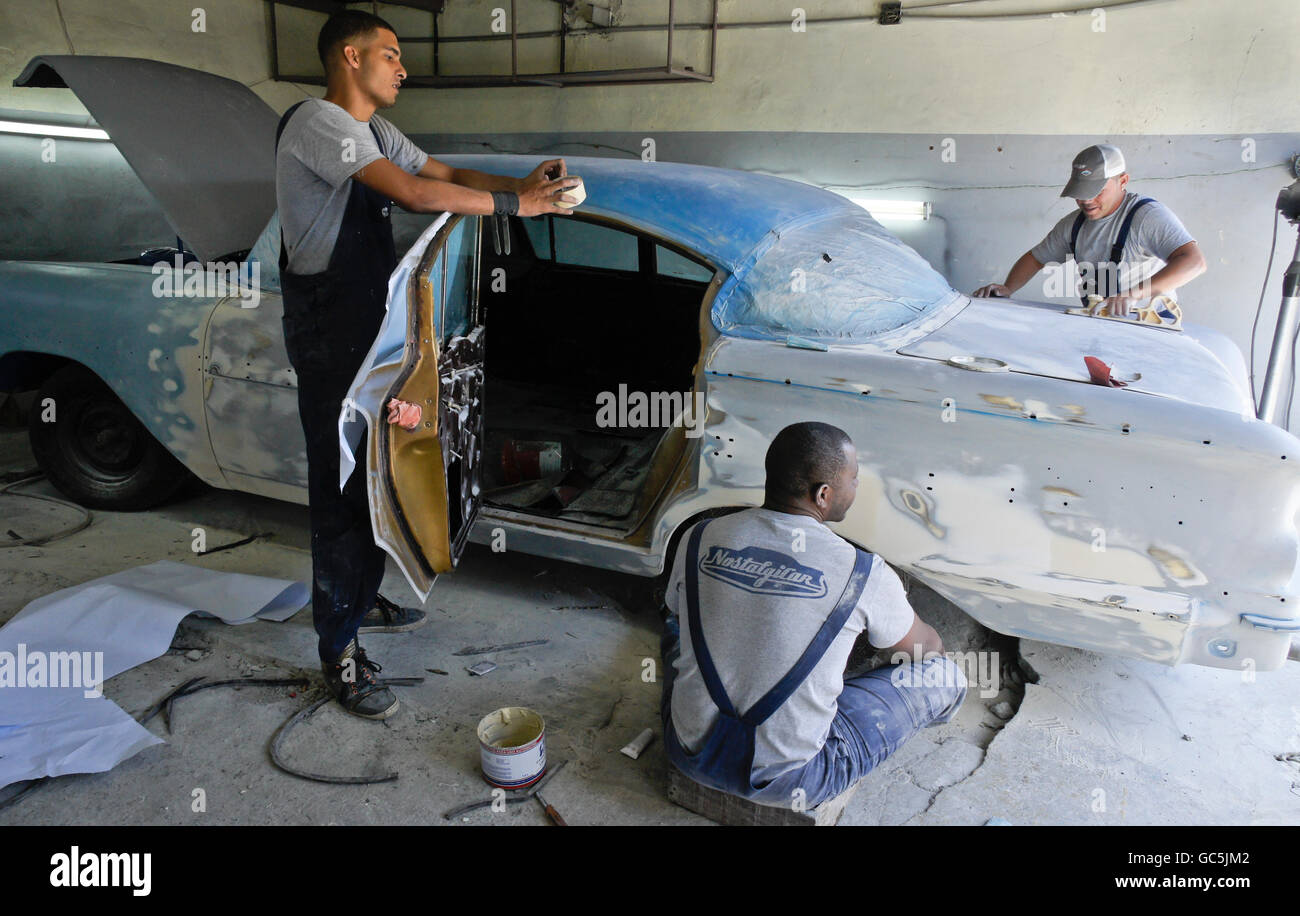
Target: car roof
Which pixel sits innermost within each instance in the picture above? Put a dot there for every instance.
(801, 261)
(722, 214)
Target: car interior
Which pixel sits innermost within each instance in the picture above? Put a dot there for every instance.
(556, 307)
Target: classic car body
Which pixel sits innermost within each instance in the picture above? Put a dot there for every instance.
(1157, 521)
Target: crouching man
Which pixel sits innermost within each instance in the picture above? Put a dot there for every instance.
(765, 606)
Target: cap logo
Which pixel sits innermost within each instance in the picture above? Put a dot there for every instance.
(1085, 172)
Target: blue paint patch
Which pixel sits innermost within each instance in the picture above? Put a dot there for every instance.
(804, 262)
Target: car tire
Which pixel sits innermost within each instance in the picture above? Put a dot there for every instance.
(95, 451)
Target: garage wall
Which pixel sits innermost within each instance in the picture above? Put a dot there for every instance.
(1199, 94)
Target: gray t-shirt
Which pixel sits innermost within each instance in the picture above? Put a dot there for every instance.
(761, 604)
(321, 148)
(1155, 234)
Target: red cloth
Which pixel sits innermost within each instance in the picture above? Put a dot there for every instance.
(1100, 373)
(404, 414)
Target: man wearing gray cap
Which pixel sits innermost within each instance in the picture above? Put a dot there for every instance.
(1128, 248)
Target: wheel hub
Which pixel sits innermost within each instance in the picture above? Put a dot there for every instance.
(107, 437)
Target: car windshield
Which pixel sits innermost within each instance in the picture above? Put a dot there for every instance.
(843, 277)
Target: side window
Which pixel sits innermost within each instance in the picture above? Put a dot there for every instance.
(671, 264)
(461, 269)
(539, 233)
(591, 245)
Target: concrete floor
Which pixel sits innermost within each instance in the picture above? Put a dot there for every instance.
(1094, 741)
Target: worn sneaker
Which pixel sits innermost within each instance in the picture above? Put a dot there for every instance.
(351, 678)
(387, 617)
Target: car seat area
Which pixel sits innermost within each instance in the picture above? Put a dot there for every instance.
(558, 335)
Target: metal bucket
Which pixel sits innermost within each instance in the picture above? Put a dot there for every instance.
(512, 745)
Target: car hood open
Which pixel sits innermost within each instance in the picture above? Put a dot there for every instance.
(202, 144)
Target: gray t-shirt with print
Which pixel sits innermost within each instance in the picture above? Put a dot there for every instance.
(1154, 235)
(321, 148)
(761, 603)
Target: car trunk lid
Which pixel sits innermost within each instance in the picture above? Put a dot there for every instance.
(1039, 339)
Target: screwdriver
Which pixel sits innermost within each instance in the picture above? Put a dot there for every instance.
(550, 809)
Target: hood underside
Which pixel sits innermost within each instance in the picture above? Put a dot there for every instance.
(202, 144)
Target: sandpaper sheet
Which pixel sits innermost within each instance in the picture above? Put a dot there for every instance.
(65, 724)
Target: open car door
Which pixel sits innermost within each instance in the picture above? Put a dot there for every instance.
(424, 481)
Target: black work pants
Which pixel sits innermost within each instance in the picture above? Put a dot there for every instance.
(327, 337)
(347, 566)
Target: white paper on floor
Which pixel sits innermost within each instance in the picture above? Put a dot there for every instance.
(58, 650)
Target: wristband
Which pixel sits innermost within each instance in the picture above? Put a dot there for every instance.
(505, 202)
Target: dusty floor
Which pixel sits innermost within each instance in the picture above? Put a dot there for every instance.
(1095, 740)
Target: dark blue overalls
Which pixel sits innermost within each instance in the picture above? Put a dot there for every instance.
(330, 321)
(1109, 271)
(725, 760)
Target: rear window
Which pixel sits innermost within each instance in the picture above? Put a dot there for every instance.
(842, 277)
(671, 264)
(590, 245)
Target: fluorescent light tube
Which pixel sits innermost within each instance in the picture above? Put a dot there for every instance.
(895, 210)
(52, 130)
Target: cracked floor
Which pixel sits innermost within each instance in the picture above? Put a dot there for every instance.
(1094, 740)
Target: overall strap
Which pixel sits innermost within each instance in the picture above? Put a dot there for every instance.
(279, 130)
(1117, 251)
(702, 657)
(1074, 232)
(785, 688)
(284, 120)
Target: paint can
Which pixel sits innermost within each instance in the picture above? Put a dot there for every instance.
(512, 747)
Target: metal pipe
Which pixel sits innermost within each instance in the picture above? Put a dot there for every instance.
(713, 42)
(652, 27)
(514, 42)
(275, 47)
(1284, 338)
(671, 18)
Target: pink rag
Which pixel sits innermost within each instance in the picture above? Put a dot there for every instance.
(404, 414)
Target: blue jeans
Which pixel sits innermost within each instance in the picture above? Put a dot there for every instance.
(877, 713)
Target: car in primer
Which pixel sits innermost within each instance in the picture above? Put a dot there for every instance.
(1156, 521)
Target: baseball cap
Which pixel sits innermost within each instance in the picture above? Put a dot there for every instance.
(1091, 169)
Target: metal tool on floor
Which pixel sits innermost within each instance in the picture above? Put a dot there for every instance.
(550, 809)
(484, 650)
(518, 799)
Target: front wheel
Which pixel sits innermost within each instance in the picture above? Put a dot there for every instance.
(94, 450)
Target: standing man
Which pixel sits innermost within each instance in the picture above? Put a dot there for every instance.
(755, 702)
(339, 169)
(1127, 248)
